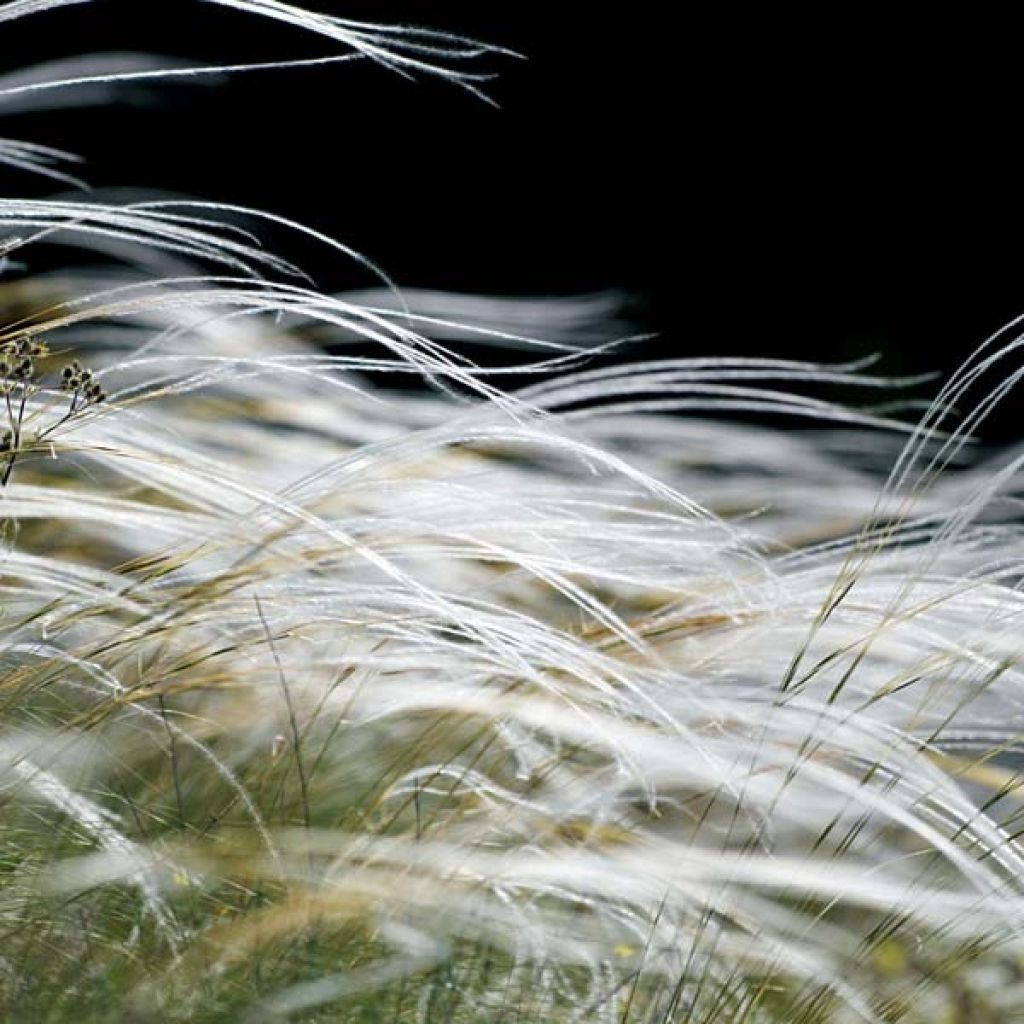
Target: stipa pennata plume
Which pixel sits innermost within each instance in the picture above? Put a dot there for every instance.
(333, 702)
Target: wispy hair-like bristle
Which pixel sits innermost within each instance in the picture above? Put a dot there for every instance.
(610, 696)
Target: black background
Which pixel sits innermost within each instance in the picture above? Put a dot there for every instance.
(761, 183)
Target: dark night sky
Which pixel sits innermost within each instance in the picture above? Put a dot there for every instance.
(762, 183)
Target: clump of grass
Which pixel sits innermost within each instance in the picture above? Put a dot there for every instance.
(324, 701)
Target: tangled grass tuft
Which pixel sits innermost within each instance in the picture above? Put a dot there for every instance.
(327, 701)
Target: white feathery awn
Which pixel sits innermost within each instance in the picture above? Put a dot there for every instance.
(578, 702)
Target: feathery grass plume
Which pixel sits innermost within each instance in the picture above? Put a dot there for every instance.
(326, 701)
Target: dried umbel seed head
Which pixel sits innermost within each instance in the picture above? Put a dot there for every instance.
(16, 362)
(74, 377)
(82, 383)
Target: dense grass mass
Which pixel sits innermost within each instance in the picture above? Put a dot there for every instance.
(608, 698)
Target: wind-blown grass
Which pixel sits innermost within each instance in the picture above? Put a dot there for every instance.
(596, 700)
